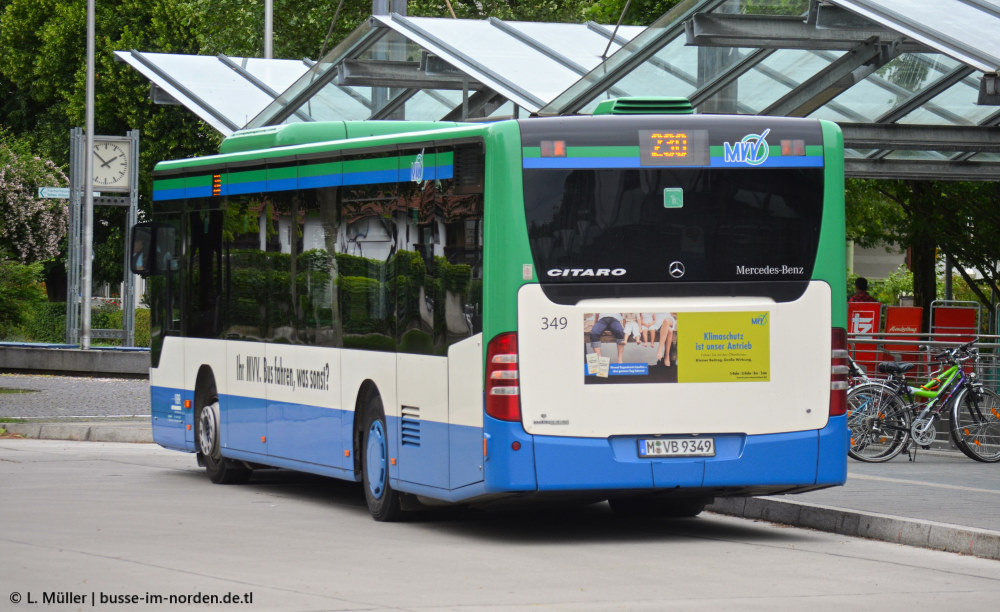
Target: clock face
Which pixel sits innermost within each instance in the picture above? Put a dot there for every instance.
(111, 165)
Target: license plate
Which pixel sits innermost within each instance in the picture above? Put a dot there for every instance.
(677, 447)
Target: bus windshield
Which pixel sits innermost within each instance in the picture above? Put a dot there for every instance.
(629, 225)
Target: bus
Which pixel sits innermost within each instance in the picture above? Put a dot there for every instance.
(643, 305)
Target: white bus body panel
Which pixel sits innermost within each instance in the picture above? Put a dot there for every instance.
(556, 401)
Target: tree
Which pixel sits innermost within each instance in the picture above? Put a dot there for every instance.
(959, 219)
(31, 228)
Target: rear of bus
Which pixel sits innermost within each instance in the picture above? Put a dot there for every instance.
(666, 307)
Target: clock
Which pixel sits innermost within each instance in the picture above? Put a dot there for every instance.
(112, 164)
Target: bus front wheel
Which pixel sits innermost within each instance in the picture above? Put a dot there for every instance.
(383, 502)
(219, 469)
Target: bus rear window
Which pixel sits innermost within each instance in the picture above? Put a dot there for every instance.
(654, 225)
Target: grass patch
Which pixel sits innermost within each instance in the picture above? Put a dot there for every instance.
(5, 390)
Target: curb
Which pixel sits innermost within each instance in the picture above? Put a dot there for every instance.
(111, 431)
(884, 527)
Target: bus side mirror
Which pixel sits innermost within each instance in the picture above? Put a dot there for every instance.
(152, 244)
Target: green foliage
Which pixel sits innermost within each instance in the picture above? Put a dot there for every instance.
(142, 327)
(640, 12)
(21, 296)
(47, 324)
(887, 290)
(31, 228)
(957, 218)
(360, 305)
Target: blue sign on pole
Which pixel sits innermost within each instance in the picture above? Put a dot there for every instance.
(54, 192)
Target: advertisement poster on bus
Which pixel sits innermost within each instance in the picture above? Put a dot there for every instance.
(670, 347)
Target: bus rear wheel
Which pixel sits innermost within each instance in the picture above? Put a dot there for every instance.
(219, 469)
(383, 502)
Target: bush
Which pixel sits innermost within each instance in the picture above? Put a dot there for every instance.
(142, 327)
(48, 324)
(21, 297)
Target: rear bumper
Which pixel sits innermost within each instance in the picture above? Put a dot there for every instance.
(743, 464)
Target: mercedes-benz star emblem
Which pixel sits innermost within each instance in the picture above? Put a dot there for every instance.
(676, 269)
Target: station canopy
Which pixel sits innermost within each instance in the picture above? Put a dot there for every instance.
(913, 83)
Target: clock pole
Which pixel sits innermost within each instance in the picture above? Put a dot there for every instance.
(88, 190)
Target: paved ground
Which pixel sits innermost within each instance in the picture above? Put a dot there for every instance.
(58, 397)
(941, 500)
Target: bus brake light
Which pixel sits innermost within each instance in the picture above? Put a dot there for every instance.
(838, 372)
(503, 393)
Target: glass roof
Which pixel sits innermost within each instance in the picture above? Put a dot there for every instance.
(225, 92)
(908, 63)
(525, 63)
(893, 73)
(963, 29)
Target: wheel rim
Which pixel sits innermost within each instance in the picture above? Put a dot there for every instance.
(978, 426)
(208, 428)
(376, 459)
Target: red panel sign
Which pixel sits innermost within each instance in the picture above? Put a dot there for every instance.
(906, 321)
(950, 321)
(864, 318)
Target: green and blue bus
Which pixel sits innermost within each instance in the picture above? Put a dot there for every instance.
(641, 305)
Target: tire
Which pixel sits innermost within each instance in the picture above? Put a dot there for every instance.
(206, 426)
(648, 506)
(383, 502)
(975, 424)
(879, 422)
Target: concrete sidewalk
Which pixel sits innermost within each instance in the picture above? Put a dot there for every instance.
(137, 429)
(942, 500)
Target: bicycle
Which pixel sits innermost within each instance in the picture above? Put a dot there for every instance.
(884, 415)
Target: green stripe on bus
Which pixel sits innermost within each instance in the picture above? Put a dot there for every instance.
(320, 169)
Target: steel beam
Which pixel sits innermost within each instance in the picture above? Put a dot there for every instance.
(921, 170)
(912, 137)
(782, 32)
(850, 69)
(390, 73)
(480, 104)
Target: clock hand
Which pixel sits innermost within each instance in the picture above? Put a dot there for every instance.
(106, 164)
(98, 156)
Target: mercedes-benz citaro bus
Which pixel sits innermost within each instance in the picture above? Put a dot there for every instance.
(643, 305)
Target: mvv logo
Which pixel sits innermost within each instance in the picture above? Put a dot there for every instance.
(760, 319)
(753, 149)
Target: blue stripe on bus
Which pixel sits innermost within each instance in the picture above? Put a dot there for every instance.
(581, 162)
(315, 182)
(542, 463)
(634, 162)
(169, 194)
(803, 458)
(370, 177)
(170, 419)
(811, 161)
(285, 184)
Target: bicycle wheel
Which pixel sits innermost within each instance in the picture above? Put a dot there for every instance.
(975, 424)
(879, 422)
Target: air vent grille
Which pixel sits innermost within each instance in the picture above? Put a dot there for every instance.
(645, 106)
(410, 426)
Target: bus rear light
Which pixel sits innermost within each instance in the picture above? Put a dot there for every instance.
(838, 372)
(503, 395)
